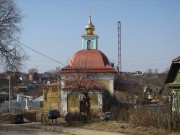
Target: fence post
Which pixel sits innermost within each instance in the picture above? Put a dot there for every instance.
(170, 113)
(35, 116)
(41, 117)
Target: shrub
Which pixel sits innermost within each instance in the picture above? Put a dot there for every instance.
(121, 111)
(149, 117)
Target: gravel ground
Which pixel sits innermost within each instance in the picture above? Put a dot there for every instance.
(115, 127)
(109, 127)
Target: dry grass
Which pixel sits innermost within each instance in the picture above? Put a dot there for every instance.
(121, 127)
(148, 118)
(115, 126)
(142, 122)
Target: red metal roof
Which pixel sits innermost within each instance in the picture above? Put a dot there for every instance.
(91, 60)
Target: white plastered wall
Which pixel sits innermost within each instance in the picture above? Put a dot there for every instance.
(98, 76)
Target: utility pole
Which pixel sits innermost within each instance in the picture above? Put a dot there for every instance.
(9, 78)
(119, 47)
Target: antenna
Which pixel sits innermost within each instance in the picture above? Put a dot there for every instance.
(119, 46)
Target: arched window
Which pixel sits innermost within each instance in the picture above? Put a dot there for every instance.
(89, 44)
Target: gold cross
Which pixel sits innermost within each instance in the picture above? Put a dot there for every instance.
(90, 10)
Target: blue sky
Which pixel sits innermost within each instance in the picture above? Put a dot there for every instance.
(150, 31)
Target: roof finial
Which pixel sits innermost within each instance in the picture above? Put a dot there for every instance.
(90, 11)
(90, 27)
(89, 16)
(89, 20)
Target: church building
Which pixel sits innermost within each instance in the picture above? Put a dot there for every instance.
(87, 72)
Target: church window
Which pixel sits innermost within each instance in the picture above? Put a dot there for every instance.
(89, 44)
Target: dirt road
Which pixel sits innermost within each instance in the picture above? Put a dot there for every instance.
(34, 129)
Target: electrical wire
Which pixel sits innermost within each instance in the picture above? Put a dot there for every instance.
(40, 53)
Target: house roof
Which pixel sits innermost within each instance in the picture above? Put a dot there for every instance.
(128, 83)
(91, 60)
(174, 71)
(51, 85)
(177, 59)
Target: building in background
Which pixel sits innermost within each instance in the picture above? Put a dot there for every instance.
(51, 96)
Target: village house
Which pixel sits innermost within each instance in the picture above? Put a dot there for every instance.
(51, 96)
(172, 82)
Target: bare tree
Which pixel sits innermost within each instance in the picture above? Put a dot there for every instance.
(82, 79)
(149, 71)
(11, 53)
(156, 71)
(33, 70)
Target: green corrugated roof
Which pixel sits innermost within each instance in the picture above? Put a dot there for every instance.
(173, 76)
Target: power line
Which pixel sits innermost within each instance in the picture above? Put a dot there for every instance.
(41, 54)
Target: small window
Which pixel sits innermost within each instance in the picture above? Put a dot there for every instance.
(89, 44)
